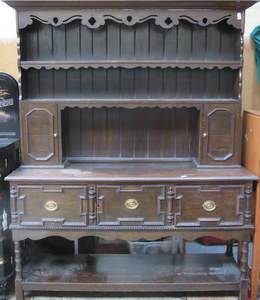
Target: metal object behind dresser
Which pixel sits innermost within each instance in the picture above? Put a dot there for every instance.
(9, 160)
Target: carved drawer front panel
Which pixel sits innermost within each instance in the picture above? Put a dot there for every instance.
(222, 205)
(131, 205)
(50, 205)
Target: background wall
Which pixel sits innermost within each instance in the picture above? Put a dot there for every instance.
(8, 54)
(251, 88)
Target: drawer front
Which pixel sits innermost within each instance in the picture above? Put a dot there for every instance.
(52, 205)
(131, 205)
(219, 205)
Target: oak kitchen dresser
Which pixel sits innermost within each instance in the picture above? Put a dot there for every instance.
(130, 128)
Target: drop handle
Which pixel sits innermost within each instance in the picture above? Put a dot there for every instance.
(131, 204)
(209, 205)
(51, 205)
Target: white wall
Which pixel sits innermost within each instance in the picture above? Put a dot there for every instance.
(7, 21)
(251, 87)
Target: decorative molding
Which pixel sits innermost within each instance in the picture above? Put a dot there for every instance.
(131, 64)
(92, 204)
(248, 196)
(94, 18)
(240, 74)
(18, 260)
(128, 104)
(13, 199)
(136, 228)
(244, 260)
(212, 148)
(49, 117)
(170, 197)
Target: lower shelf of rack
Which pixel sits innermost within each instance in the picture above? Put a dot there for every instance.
(132, 273)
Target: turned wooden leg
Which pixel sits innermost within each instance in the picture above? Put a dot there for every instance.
(244, 271)
(256, 249)
(229, 249)
(183, 246)
(18, 269)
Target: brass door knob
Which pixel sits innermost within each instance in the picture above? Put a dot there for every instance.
(131, 204)
(51, 205)
(209, 205)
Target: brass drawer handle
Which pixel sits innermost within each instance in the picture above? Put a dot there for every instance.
(209, 205)
(131, 203)
(51, 205)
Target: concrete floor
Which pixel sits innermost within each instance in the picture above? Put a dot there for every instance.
(97, 296)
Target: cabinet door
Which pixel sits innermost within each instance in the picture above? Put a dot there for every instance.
(221, 134)
(40, 134)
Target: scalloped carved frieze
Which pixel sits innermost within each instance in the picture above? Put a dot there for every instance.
(131, 104)
(96, 18)
(163, 64)
(135, 228)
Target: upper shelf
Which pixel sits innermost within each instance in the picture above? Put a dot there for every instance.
(138, 83)
(129, 64)
(146, 44)
(130, 103)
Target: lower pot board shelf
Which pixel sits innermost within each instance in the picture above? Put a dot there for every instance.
(131, 273)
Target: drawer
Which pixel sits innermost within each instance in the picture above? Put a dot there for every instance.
(131, 205)
(52, 205)
(209, 205)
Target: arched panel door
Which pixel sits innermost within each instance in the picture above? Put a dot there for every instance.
(40, 132)
(221, 131)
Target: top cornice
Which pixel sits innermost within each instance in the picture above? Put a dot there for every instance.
(186, 4)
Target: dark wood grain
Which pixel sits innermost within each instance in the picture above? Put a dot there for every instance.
(40, 134)
(132, 83)
(134, 271)
(130, 115)
(134, 134)
(117, 42)
(111, 172)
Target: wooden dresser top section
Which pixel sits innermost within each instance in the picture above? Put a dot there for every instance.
(130, 172)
